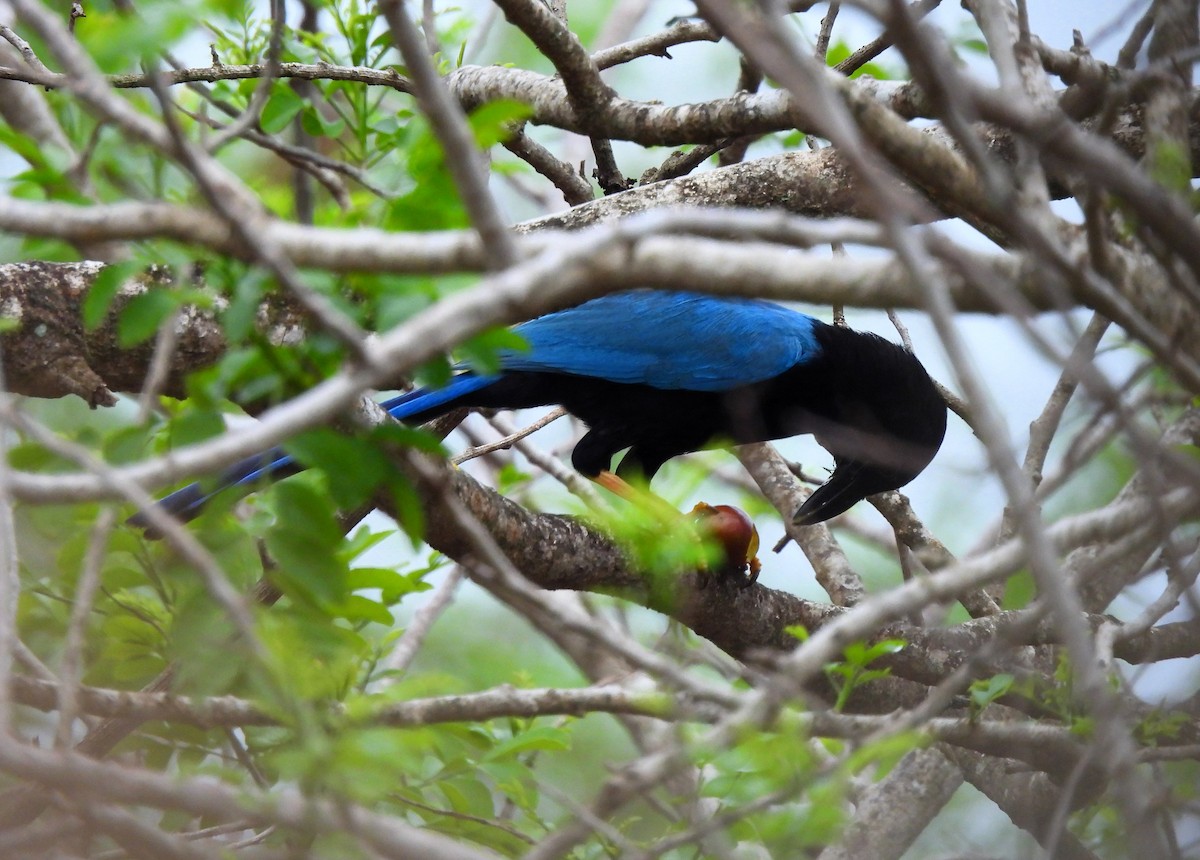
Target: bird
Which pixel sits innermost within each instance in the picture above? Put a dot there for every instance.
(664, 373)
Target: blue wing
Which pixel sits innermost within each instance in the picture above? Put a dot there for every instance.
(669, 340)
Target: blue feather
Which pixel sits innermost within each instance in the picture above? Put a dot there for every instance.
(668, 340)
(424, 399)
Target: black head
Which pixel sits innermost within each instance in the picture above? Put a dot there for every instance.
(883, 420)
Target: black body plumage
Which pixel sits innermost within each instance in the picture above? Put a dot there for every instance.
(867, 401)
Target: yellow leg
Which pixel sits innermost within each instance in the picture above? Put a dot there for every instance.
(728, 526)
(609, 481)
(620, 487)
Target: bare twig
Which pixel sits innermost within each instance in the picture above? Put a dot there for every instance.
(446, 117)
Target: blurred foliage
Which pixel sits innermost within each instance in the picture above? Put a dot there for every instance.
(500, 783)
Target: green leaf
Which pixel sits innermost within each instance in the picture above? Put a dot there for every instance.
(318, 125)
(392, 585)
(22, 145)
(882, 648)
(304, 542)
(126, 444)
(203, 645)
(303, 510)
(537, 738)
(32, 457)
(117, 42)
(354, 467)
(495, 121)
(242, 312)
(409, 437)
(362, 539)
(145, 313)
(482, 351)
(410, 512)
(984, 692)
(1019, 590)
(470, 795)
(841, 51)
(359, 608)
(798, 631)
(1171, 165)
(280, 109)
(195, 425)
(104, 289)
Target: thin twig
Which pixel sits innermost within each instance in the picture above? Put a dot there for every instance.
(262, 90)
(508, 441)
(397, 661)
(10, 569)
(69, 669)
(575, 189)
(446, 117)
(27, 52)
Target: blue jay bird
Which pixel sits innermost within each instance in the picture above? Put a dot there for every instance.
(666, 373)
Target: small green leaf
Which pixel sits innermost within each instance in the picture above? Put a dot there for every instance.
(242, 313)
(362, 539)
(393, 586)
(126, 444)
(32, 457)
(304, 542)
(22, 145)
(482, 352)
(537, 738)
(359, 608)
(195, 425)
(353, 467)
(410, 512)
(315, 123)
(409, 437)
(280, 109)
(883, 648)
(1170, 165)
(116, 42)
(495, 121)
(103, 290)
(1019, 590)
(143, 316)
(984, 692)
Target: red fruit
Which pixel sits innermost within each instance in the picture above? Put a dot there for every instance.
(734, 531)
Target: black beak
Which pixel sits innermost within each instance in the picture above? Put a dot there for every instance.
(851, 482)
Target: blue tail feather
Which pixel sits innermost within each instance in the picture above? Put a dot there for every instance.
(186, 504)
(424, 400)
